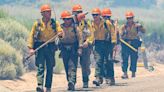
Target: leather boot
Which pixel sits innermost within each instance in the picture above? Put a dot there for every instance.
(112, 81)
(97, 81)
(39, 89)
(133, 74)
(71, 86)
(124, 76)
(85, 85)
(101, 80)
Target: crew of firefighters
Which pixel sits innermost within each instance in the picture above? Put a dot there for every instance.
(78, 39)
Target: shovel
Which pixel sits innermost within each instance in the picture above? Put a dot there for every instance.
(26, 59)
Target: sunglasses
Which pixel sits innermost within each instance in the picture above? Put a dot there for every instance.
(95, 14)
(129, 18)
(67, 18)
(108, 17)
(79, 12)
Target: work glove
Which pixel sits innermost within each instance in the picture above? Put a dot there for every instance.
(85, 44)
(31, 51)
(79, 51)
(61, 34)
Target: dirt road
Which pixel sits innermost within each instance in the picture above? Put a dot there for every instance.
(144, 82)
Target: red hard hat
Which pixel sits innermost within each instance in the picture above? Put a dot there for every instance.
(96, 11)
(106, 12)
(45, 7)
(76, 7)
(66, 14)
(129, 14)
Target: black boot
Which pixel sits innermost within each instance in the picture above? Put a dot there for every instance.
(97, 81)
(71, 86)
(48, 89)
(133, 74)
(39, 89)
(124, 76)
(107, 80)
(85, 85)
(112, 81)
(85, 81)
(101, 80)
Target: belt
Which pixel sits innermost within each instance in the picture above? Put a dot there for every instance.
(99, 41)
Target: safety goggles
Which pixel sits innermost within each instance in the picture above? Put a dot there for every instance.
(95, 14)
(106, 17)
(79, 12)
(129, 18)
(67, 18)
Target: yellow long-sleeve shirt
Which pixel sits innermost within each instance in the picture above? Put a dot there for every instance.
(86, 31)
(100, 31)
(46, 32)
(128, 32)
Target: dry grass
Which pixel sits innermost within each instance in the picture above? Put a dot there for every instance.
(10, 61)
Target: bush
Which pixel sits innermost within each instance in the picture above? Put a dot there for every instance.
(14, 33)
(155, 33)
(3, 14)
(25, 21)
(10, 61)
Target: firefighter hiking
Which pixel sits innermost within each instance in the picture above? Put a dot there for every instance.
(41, 32)
(77, 38)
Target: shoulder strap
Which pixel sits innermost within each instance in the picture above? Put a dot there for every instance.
(112, 21)
(37, 33)
(62, 26)
(75, 31)
(38, 22)
(137, 28)
(126, 25)
(105, 25)
(53, 24)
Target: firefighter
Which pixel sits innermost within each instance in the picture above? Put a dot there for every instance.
(86, 44)
(76, 9)
(109, 64)
(129, 33)
(69, 46)
(43, 30)
(102, 41)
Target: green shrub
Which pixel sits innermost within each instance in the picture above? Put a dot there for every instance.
(154, 32)
(10, 61)
(25, 21)
(14, 33)
(3, 14)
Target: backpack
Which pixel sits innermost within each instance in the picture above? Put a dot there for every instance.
(107, 35)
